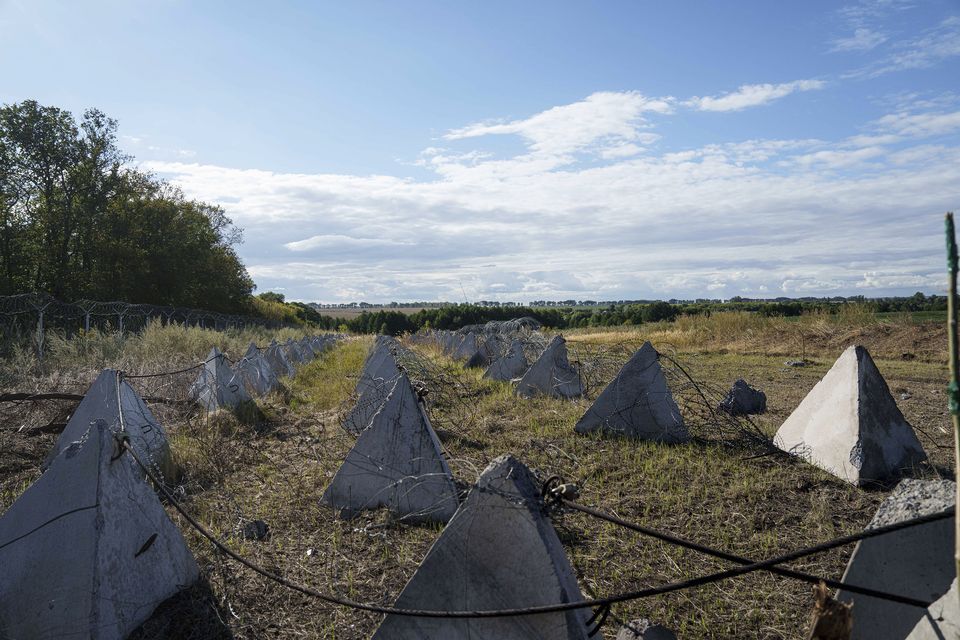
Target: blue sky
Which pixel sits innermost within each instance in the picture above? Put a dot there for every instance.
(529, 150)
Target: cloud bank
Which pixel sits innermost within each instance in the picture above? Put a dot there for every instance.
(596, 205)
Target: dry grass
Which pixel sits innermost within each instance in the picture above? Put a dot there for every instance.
(708, 491)
(808, 335)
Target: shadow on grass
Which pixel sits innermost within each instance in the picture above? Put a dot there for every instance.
(192, 614)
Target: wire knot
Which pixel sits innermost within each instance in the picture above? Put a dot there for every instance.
(555, 491)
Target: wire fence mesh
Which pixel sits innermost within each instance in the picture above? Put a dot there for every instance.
(32, 316)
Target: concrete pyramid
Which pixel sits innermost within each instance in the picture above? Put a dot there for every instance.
(498, 551)
(278, 361)
(104, 402)
(294, 352)
(942, 619)
(306, 350)
(552, 374)
(217, 386)
(916, 562)
(449, 341)
(494, 347)
(445, 340)
(637, 403)
(850, 425)
(257, 375)
(513, 364)
(379, 373)
(466, 348)
(396, 463)
(88, 551)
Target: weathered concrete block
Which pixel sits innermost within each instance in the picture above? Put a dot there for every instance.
(941, 621)
(743, 400)
(278, 360)
(552, 374)
(217, 386)
(916, 562)
(257, 374)
(637, 403)
(498, 551)
(377, 378)
(512, 365)
(103, 402)
(294, 352)
(88, 551)
(494, 347)
(466, 348)
(396, 463)
(850, 425)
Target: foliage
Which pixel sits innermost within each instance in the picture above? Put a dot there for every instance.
(78, 220)
(455, 316)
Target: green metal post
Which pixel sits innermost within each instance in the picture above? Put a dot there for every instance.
(953, 391)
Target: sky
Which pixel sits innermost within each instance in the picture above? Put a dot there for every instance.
(518, 151)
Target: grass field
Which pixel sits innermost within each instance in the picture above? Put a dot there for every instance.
(713, 490)
(349, 314)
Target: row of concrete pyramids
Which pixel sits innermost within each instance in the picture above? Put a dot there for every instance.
(852, 402)
(397, 462)
(220, 386)
(497, 549)
(637, 403)
(849, 424)
(88, 550)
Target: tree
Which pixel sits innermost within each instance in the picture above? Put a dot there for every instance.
(77, 221)
(657, 311)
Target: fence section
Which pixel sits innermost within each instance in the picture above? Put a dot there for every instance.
(30, 316)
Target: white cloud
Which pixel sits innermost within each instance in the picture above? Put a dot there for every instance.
(863, 39)
(755, 216)
(879, 280)
(935, 45)
(753, 95)
(601, 121)
(920, 124)
(329, 241)
(839, 158)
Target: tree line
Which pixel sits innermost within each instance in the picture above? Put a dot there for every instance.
(79, 220)
(455, 316)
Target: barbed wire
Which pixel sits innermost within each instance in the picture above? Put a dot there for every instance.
(701, 548)
(763, 565)
(426, 372)
(31, 315)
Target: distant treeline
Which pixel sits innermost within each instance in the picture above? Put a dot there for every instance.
(79, 221)
(459, 315)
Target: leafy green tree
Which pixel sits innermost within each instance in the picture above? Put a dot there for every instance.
(77, 221)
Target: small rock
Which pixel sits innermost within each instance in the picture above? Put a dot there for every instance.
(905, 396)
(795, 363)
(908, 356)
(742, 400)
(643, 629)
(311, 553)
(255, 530)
